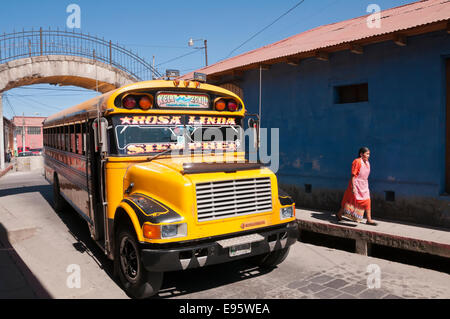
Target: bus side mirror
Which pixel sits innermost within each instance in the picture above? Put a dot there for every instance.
(101, 135)
(253, 124)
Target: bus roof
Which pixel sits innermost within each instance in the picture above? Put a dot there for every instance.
(88, 109)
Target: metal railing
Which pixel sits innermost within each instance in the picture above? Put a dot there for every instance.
(42, 42)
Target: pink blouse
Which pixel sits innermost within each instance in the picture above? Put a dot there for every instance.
(361, 171)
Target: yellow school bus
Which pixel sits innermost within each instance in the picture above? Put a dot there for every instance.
(144, 166)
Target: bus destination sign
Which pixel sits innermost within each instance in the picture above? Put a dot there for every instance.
(182, 100)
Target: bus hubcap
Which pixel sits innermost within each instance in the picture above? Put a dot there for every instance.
(128, 259)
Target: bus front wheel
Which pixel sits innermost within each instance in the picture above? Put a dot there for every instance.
(136, 280)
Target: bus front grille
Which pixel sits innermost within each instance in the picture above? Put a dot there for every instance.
(231, 198)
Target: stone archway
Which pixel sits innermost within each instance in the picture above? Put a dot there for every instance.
(62, 70)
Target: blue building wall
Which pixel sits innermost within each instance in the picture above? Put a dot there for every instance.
(403, 123)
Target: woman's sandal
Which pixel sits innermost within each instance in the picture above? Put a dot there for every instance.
(371, 223)
(338, 218)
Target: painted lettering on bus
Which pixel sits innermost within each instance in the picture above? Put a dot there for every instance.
(176, 120)
(151, 120)
(211, 120)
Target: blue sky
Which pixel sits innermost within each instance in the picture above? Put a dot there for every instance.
(163, 28)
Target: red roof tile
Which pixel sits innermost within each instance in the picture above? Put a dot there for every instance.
(392, 20)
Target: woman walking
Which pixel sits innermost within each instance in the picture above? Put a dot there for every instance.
(356, 199)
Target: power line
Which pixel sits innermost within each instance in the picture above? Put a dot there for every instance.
(41, 105)
(265, 28)
(54, 89)
(179, 57)
(191, 69)
(9, 104)
(154, 46)
(47, 95)
(317, 12)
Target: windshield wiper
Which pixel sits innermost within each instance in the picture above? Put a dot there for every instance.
(169, 148)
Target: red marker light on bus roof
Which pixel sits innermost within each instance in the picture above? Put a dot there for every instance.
(220, 105)
(145, 102)
(129, 102)
(232, 106)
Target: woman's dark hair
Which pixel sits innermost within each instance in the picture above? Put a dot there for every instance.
(362, 150)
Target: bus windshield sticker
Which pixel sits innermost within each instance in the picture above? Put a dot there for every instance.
(182, 100)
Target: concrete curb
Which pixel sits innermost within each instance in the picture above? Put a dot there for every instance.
(6, 170)
(430, 240)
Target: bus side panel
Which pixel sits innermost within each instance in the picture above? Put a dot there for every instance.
(71, 172)
(48, 171)
(75, 194)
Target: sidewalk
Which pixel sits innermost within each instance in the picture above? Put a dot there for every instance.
(16, 279)
(423, 239)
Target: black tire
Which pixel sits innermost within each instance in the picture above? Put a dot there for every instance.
(136, 280)
(272, 259)
(59, 203)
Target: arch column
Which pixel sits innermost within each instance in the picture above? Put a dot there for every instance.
(2, 136)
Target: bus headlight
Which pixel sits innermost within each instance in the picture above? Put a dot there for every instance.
(287, 212)
(173, 231)
(164, 231)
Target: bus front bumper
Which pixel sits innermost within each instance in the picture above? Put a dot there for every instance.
(190, 255)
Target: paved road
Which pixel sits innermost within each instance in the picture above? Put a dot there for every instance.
(45, 250)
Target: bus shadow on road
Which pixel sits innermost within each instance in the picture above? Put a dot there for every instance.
(44, 190)
(84, 244)
(182, 283)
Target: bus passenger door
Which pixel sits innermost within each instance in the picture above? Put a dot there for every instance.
(97, 183)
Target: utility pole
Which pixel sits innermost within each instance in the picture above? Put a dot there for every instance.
(205, 43)
(206, 52)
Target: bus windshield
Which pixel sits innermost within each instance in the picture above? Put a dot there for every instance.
(150, 136)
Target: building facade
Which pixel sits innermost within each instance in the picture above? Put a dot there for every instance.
(390, 92)
(28, 132)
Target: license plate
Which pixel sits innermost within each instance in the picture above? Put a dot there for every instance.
(240, 250)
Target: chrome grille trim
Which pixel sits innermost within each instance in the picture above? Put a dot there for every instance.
(231, 198)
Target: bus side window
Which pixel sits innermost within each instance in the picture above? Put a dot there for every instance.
(52, 143)
(58, 137)
(84, 128)
(72, 139)
(78, 143)
(67, 135)
(64, 135)
(61, 136)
